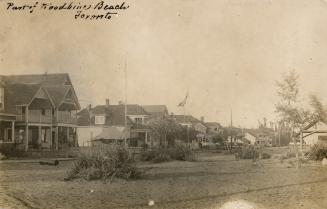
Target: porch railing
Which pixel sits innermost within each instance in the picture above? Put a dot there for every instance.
(66, 118)
(35, 118)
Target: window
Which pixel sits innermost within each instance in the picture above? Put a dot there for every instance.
(43, 111)
(138, 120)
(2, 98)
(99, 119)
(7, 135)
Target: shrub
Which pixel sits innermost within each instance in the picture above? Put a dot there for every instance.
(149, 155)
(104, 163)
(183, 153)
(2, 156)
(178, 152)
(290, 154)
(265, 156)
(318, 152)
(247, 152)
(162, 157)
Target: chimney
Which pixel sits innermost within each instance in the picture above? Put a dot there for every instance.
(89, 107)
(202, 119)
(107, 102)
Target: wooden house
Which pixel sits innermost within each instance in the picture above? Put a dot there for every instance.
(38, 112)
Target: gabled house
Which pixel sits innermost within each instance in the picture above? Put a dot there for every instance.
(315, 133)
(41, 110)
(95, 121)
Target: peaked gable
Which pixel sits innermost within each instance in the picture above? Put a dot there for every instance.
(317, 126)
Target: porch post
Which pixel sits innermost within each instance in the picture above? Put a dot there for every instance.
(13, 131)
(39, 140)
(51, 137)
(26, 138)
(76, 138)
(146, 137)
(56, 136)
(67, 132)
(301, 141)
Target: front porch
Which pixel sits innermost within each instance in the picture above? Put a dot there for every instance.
(38, 137)
(140, 138)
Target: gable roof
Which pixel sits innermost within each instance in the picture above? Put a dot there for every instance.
(44, 79)
(19, 94)
(57, 84)
(57, 93)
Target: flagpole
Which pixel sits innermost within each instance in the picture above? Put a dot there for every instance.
(125, 106)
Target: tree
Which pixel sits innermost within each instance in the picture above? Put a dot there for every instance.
(165, 130)
(319, 111)
(291, 115)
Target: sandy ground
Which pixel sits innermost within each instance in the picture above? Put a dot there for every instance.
(214, 181)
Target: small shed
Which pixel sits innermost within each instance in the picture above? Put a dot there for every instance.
(112, 135)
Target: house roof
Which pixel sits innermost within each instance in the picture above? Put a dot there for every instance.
(208, 124)
(19, 94)
(44, 79)
(186, 119)
(115, 115)
(311, 124)
(57, 93)
(57, 84)
(155, 108)
(114, 132)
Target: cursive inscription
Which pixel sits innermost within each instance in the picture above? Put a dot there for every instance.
(86, 11)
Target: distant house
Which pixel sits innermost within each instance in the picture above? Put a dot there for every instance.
(214, 128)
(156, 111)
(102, 118)
(37, 112)
(250, 137)
(258, 137)
(315, 133)
(190, 121)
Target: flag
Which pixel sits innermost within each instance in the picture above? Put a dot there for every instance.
(183, 103)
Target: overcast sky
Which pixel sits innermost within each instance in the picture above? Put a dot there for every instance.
(229, 53)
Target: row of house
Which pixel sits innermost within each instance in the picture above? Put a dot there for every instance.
(42, 112)
(106, 124)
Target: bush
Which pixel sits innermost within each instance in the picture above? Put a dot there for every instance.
(104, 163)
(158, 155)
(2, 156)
(247, 152)
(318, 152)
(265, 156)
(161, 157)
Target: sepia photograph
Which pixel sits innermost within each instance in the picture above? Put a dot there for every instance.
(163, 104)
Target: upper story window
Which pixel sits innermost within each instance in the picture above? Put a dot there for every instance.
(99, 119)
(138, 120)
(2, 98)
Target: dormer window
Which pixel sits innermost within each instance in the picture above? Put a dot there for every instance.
(99, 119)
(2, 98)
